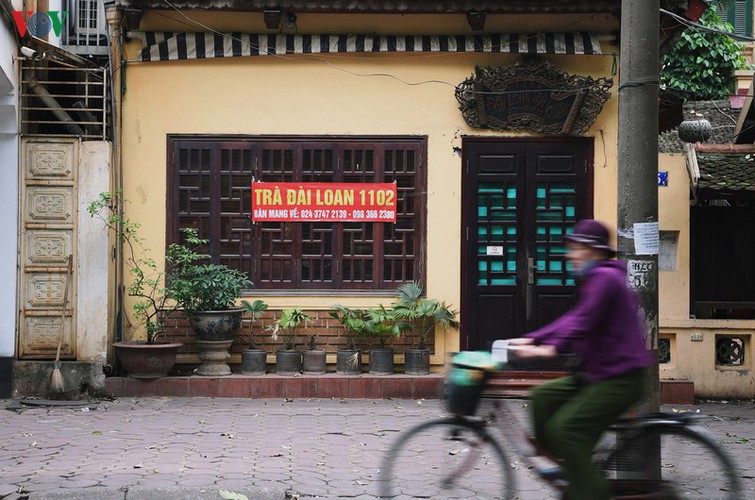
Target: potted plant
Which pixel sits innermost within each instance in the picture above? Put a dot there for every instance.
(253, 360)
(349, 359)
(383, 325)
(151, 357)
(314, 360)
(207, 293)
(288, 359)
(424, 315)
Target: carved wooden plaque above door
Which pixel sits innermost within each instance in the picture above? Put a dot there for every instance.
(48, 229)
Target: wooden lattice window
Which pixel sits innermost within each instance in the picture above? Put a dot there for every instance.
(209, 189)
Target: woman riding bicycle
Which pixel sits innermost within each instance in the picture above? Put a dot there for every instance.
(605, 332)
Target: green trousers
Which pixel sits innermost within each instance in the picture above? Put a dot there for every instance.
(569, 420)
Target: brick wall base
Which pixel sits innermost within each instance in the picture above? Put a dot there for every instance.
(330, 385)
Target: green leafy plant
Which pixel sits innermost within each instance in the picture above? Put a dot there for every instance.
(422, 314)
(354, 322)
(181, 283)
(702, 61)
(382, 324)
(286, 326)
(203, 287)
(255, 310)
(147, 278)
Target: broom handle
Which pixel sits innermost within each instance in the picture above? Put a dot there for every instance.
(65, 303)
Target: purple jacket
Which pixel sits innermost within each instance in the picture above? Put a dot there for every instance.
(603, 328)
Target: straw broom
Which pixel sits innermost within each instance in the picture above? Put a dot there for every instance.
(56, 382)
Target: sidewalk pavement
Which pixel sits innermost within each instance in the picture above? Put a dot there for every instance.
(191, 448)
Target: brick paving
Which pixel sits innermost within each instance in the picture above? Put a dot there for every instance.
(172, 447)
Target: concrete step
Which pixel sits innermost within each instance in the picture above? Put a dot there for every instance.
(331, 385)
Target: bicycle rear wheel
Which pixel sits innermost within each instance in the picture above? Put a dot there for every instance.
(691, 466)
(446, 458)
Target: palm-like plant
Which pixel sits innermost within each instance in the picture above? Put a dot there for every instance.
(353, 320)
(422, 314)
(255, 309)
(285, 326)
(383, 324)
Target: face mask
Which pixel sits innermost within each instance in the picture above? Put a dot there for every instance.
(589, 264)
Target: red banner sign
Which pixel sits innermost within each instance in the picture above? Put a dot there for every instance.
(323, 202)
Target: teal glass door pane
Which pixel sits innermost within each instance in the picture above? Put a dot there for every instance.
(554, 217)
(496, 233)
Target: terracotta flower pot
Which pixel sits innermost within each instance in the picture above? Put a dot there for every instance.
(146, 361)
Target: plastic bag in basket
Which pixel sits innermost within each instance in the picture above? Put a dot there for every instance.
(466, 379)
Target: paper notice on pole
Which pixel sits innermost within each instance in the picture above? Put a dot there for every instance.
(646, 238)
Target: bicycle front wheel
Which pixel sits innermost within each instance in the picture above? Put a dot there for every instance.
(690, 466)
(446, 458)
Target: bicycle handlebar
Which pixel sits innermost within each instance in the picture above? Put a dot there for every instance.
(501, 348)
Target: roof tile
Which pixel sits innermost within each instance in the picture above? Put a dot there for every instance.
(727, 172)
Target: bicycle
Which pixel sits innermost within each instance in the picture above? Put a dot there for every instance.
(460, 456)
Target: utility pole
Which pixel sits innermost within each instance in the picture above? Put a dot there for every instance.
(638, 168)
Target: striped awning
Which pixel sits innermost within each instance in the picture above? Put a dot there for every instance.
(170, 46)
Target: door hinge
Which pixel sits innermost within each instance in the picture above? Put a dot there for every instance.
(467, 233)
(467, 166)
(585, 166)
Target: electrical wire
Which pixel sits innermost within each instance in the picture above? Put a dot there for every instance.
(722, 112)
(372, 75)
(691, 23)
(638, 83)
(650, 82)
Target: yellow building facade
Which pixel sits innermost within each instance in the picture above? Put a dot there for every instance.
(388, 96)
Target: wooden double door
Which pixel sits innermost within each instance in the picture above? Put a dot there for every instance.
(519, 201)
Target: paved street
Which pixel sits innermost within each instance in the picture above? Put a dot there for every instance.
(191, 448)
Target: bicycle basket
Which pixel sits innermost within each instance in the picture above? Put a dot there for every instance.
(466, 380)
